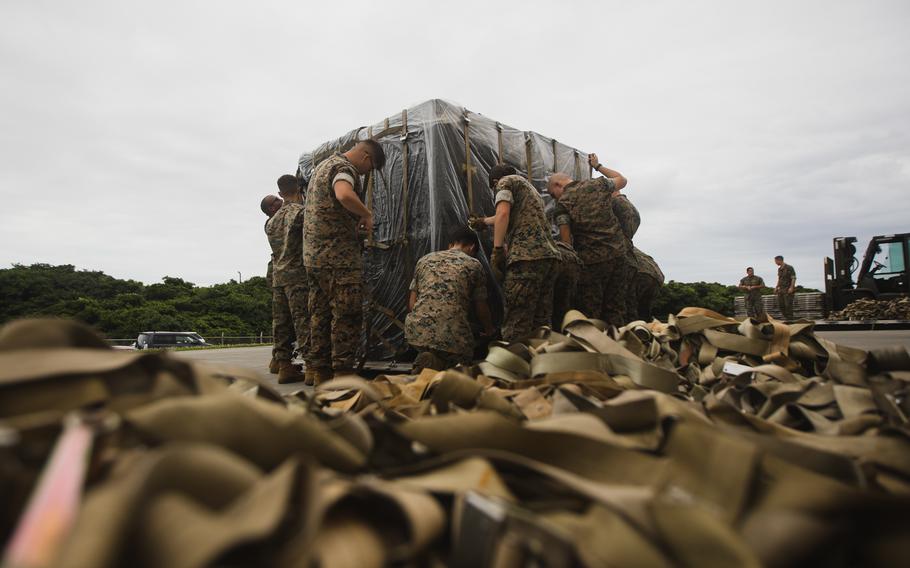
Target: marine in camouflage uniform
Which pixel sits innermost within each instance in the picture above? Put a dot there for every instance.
(289, 310)
(446, 286)
(648, 280)
(586, 214)
(566, 284)
(532, 260)
(786, 287)
(629, 220)
(283, 335)
(332, 255)
(754, 308)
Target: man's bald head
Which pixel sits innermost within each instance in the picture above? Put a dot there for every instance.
(270, 205)
(557, 183)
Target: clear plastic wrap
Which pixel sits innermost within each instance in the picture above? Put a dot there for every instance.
(415, 208)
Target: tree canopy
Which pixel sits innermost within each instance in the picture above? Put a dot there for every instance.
(124, 308)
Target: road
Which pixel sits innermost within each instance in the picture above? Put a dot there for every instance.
(257, 358)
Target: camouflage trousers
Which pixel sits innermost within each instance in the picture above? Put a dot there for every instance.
(528, 291)
(564, 289)
(754, 308)
(629, 270)
(603, 290)
(290, 321)
(785, 303)
(336, 317)
(645, 290)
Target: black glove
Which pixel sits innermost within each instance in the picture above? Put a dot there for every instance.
(477, 223)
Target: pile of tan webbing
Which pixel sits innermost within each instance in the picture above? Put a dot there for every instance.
(704, 441)
(869, 309)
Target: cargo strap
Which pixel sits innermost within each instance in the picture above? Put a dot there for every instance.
(468, 169)
(370, 191)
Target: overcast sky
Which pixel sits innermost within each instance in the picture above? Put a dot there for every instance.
(138, 138)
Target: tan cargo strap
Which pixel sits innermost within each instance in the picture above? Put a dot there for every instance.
(643, 374)
(499, 143)
(466, 166)
(555, 156)
(387, 312)
(528, 157)
(405, 164)
(370, 190)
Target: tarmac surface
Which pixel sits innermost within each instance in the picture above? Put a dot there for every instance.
(257, 358)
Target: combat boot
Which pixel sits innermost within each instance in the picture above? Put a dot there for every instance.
(288, 373)
(273, 366)
(318, 376)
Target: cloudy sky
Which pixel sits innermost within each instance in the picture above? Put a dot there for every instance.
(137, 138)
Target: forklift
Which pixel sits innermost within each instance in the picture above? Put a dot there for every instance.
(882, 273)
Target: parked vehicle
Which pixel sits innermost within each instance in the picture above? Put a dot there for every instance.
(169, 339)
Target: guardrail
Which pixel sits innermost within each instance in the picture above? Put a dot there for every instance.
(261, 339)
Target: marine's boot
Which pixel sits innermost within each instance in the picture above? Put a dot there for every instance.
(288, 373)
(322, 375)
(273, 366)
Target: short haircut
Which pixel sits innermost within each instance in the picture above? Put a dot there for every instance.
(266, 203)
(750, 268)
(377, 152)
(778, 257)
(287, 184)
(500, 171)
(465, 236)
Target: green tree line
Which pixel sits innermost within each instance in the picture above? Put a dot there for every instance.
(674, 296)
(124, 308)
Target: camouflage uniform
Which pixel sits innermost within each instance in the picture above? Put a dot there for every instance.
(648, 280)
(334, 265)
(566, 285)
(532, 259)
(290, 316)
(785, 277)
(447, 284)
(629, 221)
(754, 306)
(587, 206)
(282, 323)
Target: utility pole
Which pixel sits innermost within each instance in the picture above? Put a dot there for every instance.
(239, 278)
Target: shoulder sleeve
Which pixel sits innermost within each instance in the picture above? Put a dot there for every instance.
(761, 281)
(607, 184)
(503, 195)
(792, 272)
(343, 176)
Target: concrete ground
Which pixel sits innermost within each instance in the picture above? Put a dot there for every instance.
(257, 358)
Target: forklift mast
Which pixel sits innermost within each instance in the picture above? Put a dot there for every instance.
(839, 273)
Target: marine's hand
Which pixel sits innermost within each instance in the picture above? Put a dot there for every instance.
(477, 223)
(593, 161)
(366, 223)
